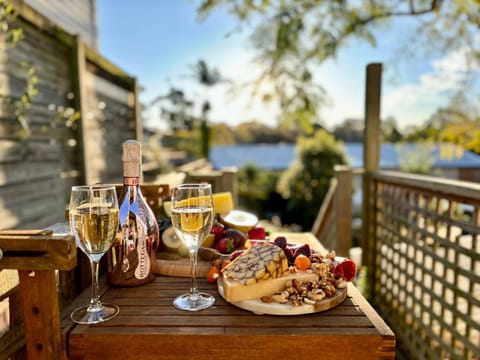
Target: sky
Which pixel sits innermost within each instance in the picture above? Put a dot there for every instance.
(158, 41)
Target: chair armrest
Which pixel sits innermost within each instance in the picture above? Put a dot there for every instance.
(24, 250)
(37, 255)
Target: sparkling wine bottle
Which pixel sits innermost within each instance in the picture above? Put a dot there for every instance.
(132, 259)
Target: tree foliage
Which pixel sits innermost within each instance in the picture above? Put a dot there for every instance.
(206, 76)
(255, 187)
(176, 109)
(450, 126)
(293, 36)
(305, 183)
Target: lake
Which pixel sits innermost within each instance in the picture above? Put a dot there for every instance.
(269, 156)
(279, 156)
(263, 156)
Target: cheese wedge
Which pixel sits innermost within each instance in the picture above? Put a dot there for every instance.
(260, 262)
(222, 202)
(233, 291)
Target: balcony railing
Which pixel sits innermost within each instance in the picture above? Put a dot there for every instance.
(423, 257)
(421, 247)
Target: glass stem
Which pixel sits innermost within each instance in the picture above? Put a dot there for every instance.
(193, 270)
(95, 300)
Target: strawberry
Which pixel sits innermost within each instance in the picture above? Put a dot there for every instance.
(213, 274)
(225, 245)
(346, 270)
(218, 231)
(257, 233)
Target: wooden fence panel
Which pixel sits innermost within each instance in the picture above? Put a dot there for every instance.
(38, 170)
(79, 16)
(34, 171)
(109, 120)
(44, 165)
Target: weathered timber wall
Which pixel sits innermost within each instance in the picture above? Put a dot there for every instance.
(37, 171)
(75, 16)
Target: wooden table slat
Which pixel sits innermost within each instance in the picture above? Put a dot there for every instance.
(149, 327)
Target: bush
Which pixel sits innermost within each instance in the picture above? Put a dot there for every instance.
(305, 183)
(255, 187)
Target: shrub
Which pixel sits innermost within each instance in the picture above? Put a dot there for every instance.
(305, 183)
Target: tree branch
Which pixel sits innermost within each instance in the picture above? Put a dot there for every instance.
(434, 6)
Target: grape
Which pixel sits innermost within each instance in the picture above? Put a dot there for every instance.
(281, 242)
(290, 257)
(302, 250)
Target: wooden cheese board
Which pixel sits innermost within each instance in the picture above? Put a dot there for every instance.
(261, 308)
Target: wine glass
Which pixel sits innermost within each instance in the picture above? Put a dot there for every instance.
(192, 219)
(93, 215)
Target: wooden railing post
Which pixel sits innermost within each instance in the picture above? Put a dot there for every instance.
(343, 206)
(371, 158)
(229, 182)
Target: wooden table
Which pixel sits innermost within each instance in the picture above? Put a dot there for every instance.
(149, 327)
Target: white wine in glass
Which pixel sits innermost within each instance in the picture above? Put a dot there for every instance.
(93, 215)
(192, 219)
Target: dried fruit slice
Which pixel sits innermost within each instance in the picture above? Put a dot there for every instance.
(170, 239)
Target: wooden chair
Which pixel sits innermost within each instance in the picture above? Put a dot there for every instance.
(37, 255)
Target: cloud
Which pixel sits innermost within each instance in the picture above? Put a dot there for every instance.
(448, 75)
(460, 60)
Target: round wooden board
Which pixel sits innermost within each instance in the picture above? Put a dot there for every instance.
(260, 308)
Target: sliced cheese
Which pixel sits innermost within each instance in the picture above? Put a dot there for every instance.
(260, 262)
(233, 291)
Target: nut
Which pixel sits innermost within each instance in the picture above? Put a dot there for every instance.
(281, 297)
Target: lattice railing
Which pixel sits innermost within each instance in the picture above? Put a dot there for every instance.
(424, 236)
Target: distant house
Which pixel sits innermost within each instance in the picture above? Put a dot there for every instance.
(445, 160)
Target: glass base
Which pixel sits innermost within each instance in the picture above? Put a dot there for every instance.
(194, 303)
(90, 315)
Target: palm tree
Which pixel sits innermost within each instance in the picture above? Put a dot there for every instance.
(208, 77)
(177, 110)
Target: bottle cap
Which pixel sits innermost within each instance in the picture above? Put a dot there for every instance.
(132, 155)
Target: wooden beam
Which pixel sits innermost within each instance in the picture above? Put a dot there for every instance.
(371, 158)
(41, 314)
(343, 205)
(371, 152)
(78, 81)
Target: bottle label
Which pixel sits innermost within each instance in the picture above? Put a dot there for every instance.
(143, 267)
